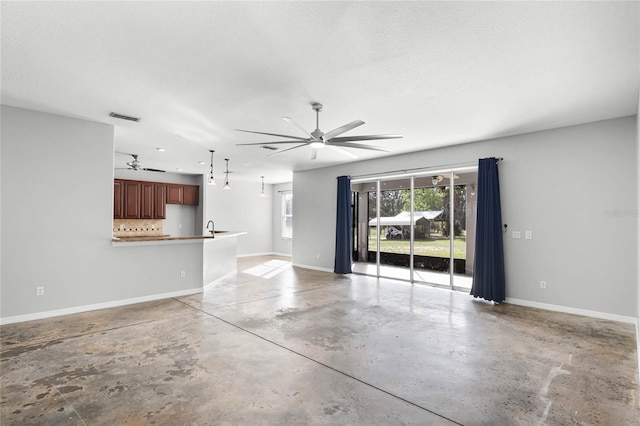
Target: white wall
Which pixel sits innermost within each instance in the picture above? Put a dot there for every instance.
(573, 187)
(241, 208)
(281, 245)
(56, 222)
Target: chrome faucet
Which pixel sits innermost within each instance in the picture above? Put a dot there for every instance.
(212, 227)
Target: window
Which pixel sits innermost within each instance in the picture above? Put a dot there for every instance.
(287, 215)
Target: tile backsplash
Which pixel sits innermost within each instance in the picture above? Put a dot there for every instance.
(137, 227)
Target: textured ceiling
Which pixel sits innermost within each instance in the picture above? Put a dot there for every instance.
(439, 73)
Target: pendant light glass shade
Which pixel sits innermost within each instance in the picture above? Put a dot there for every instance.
(262, 194)
(226, 176)
(211, 180)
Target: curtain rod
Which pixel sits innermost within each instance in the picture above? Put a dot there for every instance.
(420, 169)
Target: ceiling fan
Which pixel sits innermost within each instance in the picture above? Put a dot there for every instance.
(135, 164)
(318, 139)
(437, 179)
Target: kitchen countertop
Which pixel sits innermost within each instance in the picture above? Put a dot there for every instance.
(190, 238)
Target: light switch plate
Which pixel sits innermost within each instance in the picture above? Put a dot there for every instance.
(528, 235)
(515, 234)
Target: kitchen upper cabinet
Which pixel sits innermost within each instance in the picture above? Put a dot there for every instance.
(190, 195)
(174, 193)
(117, 199)
(132, 200)
(147, 200)
(160, 207)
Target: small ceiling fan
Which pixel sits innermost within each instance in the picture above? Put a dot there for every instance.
(135, 164)
(437, 179)
(318, 139)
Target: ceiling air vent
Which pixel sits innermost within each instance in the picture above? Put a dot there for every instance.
(123, 117)
(270, 148)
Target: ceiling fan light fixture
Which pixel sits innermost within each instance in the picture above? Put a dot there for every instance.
(318, 139)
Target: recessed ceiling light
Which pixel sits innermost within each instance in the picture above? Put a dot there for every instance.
(178, 169)
(202, 163)
(160, 149)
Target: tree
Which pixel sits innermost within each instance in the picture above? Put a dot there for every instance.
(460, 210)
(424, 199)
(391, 203)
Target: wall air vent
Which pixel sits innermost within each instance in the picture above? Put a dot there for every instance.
(270, 148)
(123, 117)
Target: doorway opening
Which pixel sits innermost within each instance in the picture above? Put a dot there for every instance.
(418, 228)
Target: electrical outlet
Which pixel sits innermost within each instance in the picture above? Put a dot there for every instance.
(39, 291)
(183, 274)
(543, 284)
(515, 234)
(528, 235)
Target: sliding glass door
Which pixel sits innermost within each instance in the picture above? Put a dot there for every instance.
(416, 228)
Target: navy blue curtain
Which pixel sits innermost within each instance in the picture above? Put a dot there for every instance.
(488, 267)
(342, 263)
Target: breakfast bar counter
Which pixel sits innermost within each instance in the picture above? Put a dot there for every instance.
(218, 254)
(164, 239)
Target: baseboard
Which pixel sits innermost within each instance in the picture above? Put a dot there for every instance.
(576, 311)
(281, 254)
(264, 254)
(315, 268)
(638, 344)
(96, 306)
(255, 254)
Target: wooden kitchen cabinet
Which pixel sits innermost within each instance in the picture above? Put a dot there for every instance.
(190, 195)
(134, 199)
(147, 200)
(117, 199)
(160, 206)
(131, 200)
(174, 193)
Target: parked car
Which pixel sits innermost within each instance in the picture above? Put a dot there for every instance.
(393, 233)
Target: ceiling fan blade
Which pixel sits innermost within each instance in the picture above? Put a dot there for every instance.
(365, 138)
(267, 143)
(358, 145)
(342, 151)
(153, 170)
(288, 149)
(340, 130)
(289, 120)
(273, 134)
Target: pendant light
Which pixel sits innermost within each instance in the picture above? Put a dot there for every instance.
(211, 180)
(226, 176)
(262, 194)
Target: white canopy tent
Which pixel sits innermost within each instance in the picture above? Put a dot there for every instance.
(404, 218)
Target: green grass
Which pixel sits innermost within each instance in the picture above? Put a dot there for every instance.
(437, 246)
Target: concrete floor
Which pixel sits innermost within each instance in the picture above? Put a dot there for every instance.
(283, 345)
